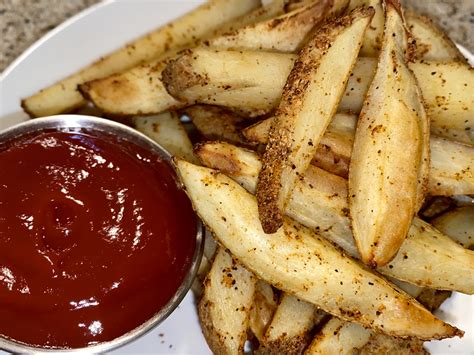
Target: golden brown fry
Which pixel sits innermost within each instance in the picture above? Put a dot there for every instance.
(208, 77)
(167, 130)
(431, 42)
(290, 327)
(263, 308)
(320, 202)
(458, 224)
(450, 105)
(309, 101)
(339, 337)
(217, 123)
(284, 33)
(451, 162)
(141, 90)
(224, 308)
(300, 262)
(389, 167)
(64, 97)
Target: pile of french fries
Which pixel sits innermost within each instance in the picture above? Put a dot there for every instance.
(333, 166)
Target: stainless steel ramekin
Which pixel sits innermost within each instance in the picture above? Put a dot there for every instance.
(71, 123)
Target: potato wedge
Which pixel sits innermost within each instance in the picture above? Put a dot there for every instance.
(263, 308)
(284, 33)
(217, 123)
(452, 168)
(339, 337)
(141, 91)
(208, 77)
(290, 327)
(451, 104)
(224, 308)
(431, 43)
(451, 162)
(458, 224)
(300, 262)
(320, 202)
(389, 165)
(309, 101)
(64, 97)
(167, 130)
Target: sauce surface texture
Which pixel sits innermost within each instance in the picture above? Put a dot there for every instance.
(95, 238)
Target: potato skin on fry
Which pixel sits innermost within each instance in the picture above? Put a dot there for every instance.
(224, 308)
(310, 98)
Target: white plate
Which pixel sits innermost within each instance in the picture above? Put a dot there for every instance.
(98, 31)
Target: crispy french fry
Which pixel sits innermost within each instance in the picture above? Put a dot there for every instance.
(64, 97)
(290, 327)
(141, 91)
(263, 308)
(217, 123)
(458, 224)
(300, 262)
(451, 162)
(208, 77)
(452, 165)
(167, 130)
(431, 42)
(284, 33)
(224, 309)
(388, 173)
(309, 101)
(451, 105)
(339, 337)
(320, 202)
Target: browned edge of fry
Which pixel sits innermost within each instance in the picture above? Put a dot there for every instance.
(447, 41)
(279, 140)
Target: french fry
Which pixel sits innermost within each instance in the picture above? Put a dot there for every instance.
(452, 165)
(208, 77)
(449, 106)
(290, 327)
(224, 309)
(451, 162)
(263, 308)
(431, 43)
(64, 97)
(167, 130)
(339, 337)
(282, 34)
(458, 224)
(217, 123)
(299, 262)
(389, 165)
(309, 101)
(141, 91)
(320, 202)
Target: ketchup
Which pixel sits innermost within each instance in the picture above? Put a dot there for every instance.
(95, 237)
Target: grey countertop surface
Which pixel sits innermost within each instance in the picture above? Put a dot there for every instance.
(22, 22)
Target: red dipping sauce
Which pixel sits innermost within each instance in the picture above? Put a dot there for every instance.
(95, 238)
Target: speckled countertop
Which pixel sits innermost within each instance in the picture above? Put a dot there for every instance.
(22, 22)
